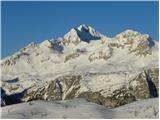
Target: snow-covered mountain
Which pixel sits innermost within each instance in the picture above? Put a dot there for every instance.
(84, 63)
(82, 33)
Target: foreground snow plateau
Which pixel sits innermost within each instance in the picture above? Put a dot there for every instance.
(80, 108)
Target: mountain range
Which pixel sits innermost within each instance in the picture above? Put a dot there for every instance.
(84, 64)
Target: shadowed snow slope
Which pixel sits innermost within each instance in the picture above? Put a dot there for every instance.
(80, 108)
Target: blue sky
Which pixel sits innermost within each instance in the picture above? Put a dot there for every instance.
(25, 22)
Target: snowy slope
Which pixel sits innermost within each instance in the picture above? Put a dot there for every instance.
(80, 108)
(41, 59)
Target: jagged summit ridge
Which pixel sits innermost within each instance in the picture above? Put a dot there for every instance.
(136, 42)
(88, 29)
(82, 33)
(92, 43)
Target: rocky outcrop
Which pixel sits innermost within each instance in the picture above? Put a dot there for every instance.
(145, 84)
(64, 87)
(12, 98)
(24, 52)
(119, 97)
(3, 101)
(71, 56)
(137, 43)
(68, 87)
(100, 55)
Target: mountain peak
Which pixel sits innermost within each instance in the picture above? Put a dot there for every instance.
(82, 33)
(84, 27)
(133, 34)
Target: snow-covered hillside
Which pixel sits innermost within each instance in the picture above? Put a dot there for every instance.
(79, 108)
(129, 50)
(84, 64)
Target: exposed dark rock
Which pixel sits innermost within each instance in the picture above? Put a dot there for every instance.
(55, 89)
(119, 97)
(11, 99)
(145, 85)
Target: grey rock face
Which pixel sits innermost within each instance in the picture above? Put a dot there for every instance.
(118, 98)
(63, 87)
(144, 85)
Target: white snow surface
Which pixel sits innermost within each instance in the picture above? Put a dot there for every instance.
(80, 109)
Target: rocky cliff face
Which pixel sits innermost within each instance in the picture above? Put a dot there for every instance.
(84, 63)
(141, 86)
(145, 84)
